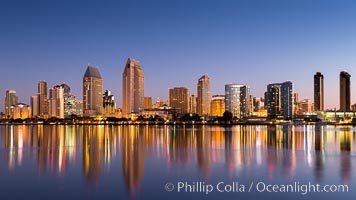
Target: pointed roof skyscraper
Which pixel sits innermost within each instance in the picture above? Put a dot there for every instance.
(92, 72)
(92, 92)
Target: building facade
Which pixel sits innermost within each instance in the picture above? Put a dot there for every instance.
(193, 104)
(109, 103)
(10, 100)
(72, 106)
(20, 111)
(34, 106)
(345, 91)
(217, 105)
(279, 100)
(319, 91)
(56, 102)
(42, 99)
(148, 102)
(92, 92)
(179, 99)
(237, 100)
(132, 88)
(203, 96)
(306, 106)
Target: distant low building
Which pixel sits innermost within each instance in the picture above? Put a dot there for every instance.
(159, 103)
(165, 112)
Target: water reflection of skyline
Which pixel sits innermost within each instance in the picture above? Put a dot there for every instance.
(278, 149)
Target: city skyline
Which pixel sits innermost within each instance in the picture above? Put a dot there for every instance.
(249, 43)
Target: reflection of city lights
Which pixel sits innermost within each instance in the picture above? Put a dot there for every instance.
(236, 149)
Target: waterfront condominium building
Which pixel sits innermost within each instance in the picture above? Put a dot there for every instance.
(217, 105)
(179, 99)
(279, 100)
(42, 99)
(345, 91)
(237, 100)
(56, 101)
(132, 88)
(10, 100)
(318, 92)
(92, 92)
(203, 96)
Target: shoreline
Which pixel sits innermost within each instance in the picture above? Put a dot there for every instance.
(261, 123)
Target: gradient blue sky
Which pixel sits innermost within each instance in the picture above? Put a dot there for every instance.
(249, 42)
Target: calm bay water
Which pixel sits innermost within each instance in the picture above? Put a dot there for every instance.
(143, 162)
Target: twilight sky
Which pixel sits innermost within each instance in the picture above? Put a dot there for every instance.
(249, 42)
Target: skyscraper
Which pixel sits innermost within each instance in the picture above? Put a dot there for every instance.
(345, 91)
(20, 111)
(72, 106)
(193, 104)
(179, 99)
(203, 97)
(34, 106)
(279, 100)
(237, 100)
(92, 92)
(42, 99)
(318, 92)
(10, 100)
(109, 103)
(56, 101)
(218, 105)
(132, 88)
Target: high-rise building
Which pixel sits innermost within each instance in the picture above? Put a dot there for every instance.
(193, 104)
(237, 100)
(296, 109)
(109, 103)
(42, 99)
(306, 106)
(56, 102)
(34, 106)
(318, 92)
(92, 92)
(258, 104)
(345, 91)
(72, 106)
(148, 102)
(66, 89)
(218, 105)
(20, 111)
(10, 100)
(279, 100)
(203, 96)
(132, 88)
(179, 99)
